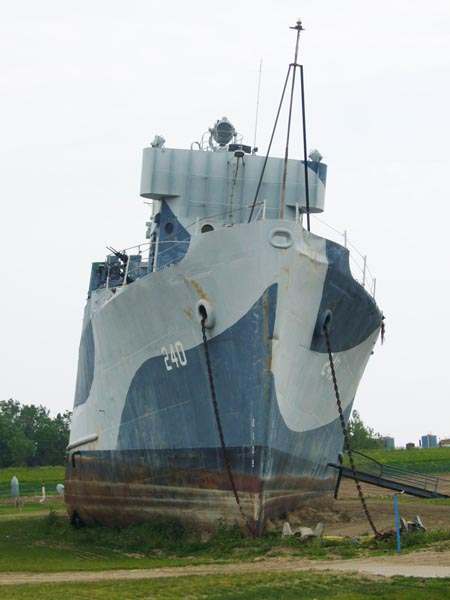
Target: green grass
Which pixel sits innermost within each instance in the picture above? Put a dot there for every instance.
(49, 544)
(30, 479)
(8, 510)
(264, 586)
(426, 460)
(46, 544)
(33, 474)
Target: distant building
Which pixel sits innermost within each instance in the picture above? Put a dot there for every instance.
(428, 441)
(388, 442)
(410, 445)
(445, 443)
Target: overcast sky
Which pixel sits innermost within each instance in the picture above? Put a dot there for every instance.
(84, 86)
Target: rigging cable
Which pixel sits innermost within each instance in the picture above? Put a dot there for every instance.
(270, 145)
(305, 150)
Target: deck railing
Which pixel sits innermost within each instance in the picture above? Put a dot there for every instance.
(358, 261)
(367, 464)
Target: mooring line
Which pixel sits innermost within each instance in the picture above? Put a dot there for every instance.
(347, 444)
(248, 523)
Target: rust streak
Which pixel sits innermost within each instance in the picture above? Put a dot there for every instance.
(198, 288)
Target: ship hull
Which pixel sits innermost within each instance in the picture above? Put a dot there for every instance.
(144, 437)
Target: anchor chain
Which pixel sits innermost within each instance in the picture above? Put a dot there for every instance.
(248, 523)
(347, 444)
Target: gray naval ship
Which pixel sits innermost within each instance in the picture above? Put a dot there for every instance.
(204, 390)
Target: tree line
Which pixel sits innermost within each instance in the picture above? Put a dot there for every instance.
(362, 437)
(29, 436)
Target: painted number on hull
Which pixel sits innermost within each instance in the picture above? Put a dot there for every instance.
(174, 356)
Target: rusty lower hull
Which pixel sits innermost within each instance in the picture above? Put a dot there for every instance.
(120, 488)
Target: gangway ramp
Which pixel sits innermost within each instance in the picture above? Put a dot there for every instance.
(369, 470)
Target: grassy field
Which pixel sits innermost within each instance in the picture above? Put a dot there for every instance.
(50, 544)
(427, 460)
(9, 511)
(33, 474)
(30, 479)
(269, 586)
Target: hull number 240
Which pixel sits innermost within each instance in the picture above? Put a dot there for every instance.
(174, 356)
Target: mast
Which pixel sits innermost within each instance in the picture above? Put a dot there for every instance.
(292, 70)
(298, 27)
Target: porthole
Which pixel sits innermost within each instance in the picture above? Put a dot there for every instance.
(280, 238)
(168, 228)
(207, 227)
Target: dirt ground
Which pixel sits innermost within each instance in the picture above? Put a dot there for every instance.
(346, 517)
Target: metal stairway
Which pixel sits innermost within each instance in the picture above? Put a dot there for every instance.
(369, 470)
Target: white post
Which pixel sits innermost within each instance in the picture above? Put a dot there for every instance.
(297, 212)
(264, 210)
(374, 287)
(364, 271)
(345, 238)
(15, 491)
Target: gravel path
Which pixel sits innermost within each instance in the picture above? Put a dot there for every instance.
(420, 564)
